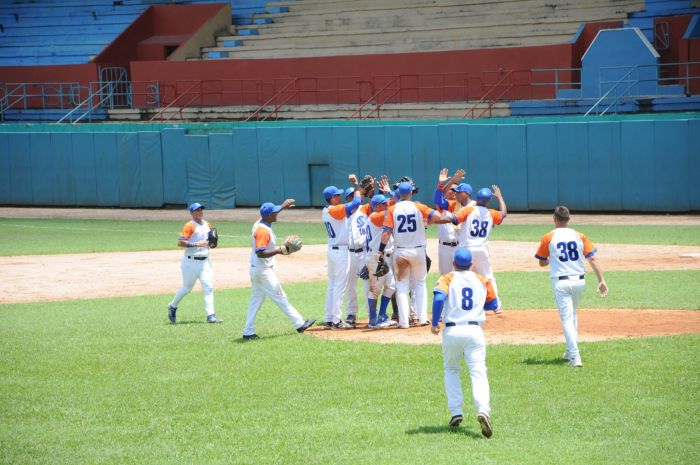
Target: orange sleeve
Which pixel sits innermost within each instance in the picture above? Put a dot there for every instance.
(366, 209)
(443, 284)
(377, 219)
(389, 218)
(424, 209)
(451, 205)
(490, 293)
(588, 248)
(390, 202)
(463, 213)
(337, 211)
(497, 217)
(543, 250)
(187, 231)
(262, 238)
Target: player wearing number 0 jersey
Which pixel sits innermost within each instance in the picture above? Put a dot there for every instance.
(464, 295)
(335, 219)
(405, 221)
(477, 222)
(564, 250)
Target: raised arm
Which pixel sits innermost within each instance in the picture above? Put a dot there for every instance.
(501, 203)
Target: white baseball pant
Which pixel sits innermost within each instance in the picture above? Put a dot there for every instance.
(338, 264)
(356, 262)
(568, 294)
(465, 342)
(481, 264)
(376, 285)
(192, 270)
(446, 255)
(265, 284)
(410, 273)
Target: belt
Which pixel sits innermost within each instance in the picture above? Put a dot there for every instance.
(562, 278)
(451, 244)
(356, 250)
(197, 258)
(452, 323)
(410, 247)
(336, 247)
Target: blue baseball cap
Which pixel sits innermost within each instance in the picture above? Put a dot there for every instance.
(463, 257)
(405, 188)
(464, 187)
(330, 191)
(268, 208)
(376, 200)
(349, 191)
(195, 206)
(483, 195)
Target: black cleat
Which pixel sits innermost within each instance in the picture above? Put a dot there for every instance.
(250, 337)
(455, 421)
(171, 313)
(483, 420)
(351, 320)
(307, 324)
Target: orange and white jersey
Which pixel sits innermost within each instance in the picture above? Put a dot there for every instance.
(195, 232)
(448, 232)
(262, 238)
(335, 220)
(467, 294)
(476, 225)
(406, 220)
(374, 233)
(565, 248)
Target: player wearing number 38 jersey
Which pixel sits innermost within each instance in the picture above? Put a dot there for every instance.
(564, 250)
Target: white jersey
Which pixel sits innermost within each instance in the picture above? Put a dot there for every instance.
(448, 232)
(196, 232)
(476, 225)
(262, 238)
(357, 229)
(565, 248)
(335, 220)
(406, 220)
(375, 229)
(467, 293)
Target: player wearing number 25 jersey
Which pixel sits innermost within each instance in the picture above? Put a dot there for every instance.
(564, 250)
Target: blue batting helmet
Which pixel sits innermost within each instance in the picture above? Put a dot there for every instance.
(483, 195)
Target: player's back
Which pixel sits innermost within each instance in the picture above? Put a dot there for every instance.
(477, 223)
(409, 226)
(466, 296)
(567, 248)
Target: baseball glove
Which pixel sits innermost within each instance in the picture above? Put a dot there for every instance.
(408, 180)
(382, 268)
(364, 273)
(213, 238)
(291, 244)
(367, 185)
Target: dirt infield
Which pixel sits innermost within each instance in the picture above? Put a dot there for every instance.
(39, 278)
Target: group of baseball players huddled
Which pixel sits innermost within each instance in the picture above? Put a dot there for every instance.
(382, 242)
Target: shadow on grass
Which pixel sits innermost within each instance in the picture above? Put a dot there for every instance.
(541, 361)
(189, 322)
(240, 340)
(443, 429)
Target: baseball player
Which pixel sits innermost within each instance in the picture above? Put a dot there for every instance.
(405, 221)
(464, 295)
(195, 263)
(335, 216)
(568, 247)
(457, 196)
(357, 242)
(262, 275)
(477, 223)
(378, 285)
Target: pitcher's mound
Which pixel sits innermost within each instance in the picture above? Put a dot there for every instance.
(540, 327)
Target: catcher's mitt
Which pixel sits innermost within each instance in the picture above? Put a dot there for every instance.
(213, 238)
(367, 185)
(291, 244)
(405, 179)
(382, 268)
(364, 273)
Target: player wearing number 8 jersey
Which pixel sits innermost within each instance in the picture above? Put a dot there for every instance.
(477, 223)
(564, 250)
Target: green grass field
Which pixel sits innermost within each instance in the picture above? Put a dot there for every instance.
(110, 381)
(50, 236)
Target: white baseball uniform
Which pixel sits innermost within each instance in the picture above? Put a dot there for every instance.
(406, 221)
(566, 248)
(357, 242)
(195, 265)
(384, 285)
(466, 293)
(477, 222)
(335, 220)
(264, 280)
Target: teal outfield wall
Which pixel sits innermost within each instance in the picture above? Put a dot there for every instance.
(613, 164)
